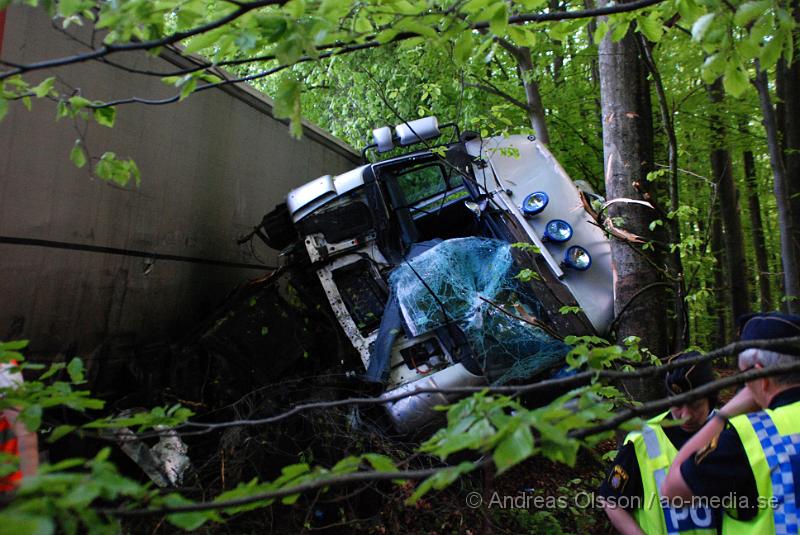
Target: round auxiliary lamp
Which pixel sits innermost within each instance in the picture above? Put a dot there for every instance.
(558, 231)
(535, 203)
(578, 258)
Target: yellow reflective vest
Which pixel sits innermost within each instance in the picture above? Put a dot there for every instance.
(655, 453)
(771, 440)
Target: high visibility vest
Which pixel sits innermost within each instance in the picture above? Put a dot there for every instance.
(771, 440)
(655, 453)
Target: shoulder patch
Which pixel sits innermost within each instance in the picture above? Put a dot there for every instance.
(703, 452)
(618, 478)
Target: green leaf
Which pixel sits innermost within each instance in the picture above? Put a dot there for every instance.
(410, 25)
(381, 463)
(188, 88)
(287, 105)
(748, 48)
(105, 116)
(513, 449)
(60, 466)
(346, 465)
(620, 31)
(26, 524)
(712, 68)
(771, 52)
(440, 480)
(701, 25)
(62, 110)
(295, 8)
(689, 10)
(44, 88)
(385, 36)
(463, 47)
(498, 22)
(204, 40)
(521, 36)
(527, 275)
(749, 11)
(54, 368)
(31, 416)
(601, 31)
(60, 432)
(186, 521)
(14, 345)
(77, 102)
(115, 170)
(75, 370)
(651, 26)
(334, 10)
(272, 27)
(77, 154)
(293, 470)
(67, 8)
(735, 81)
(475, 6)
(363, 24)
(527, 247)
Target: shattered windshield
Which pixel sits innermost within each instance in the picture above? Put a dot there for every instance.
(470, 282)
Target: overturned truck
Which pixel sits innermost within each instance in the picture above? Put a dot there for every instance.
(461, 263)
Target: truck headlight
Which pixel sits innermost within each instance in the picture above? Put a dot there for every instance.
(535, 203)
(578, 258)
(557, 230)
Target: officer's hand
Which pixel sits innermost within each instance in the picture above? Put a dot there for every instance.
(742, 403)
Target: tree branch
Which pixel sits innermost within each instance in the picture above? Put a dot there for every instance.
(142, 45)
(246, 7)
(501, 94)
(560, 383)
(355, 477)
(687, 397)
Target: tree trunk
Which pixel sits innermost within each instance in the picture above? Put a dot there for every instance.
(791, 282)
(533, 105)
(639, 296)
(535, 108)
(591, 27)
(681, 338)
(756, 229)
(732, 237)
(788, 87)
(558, 58)
(721, 292)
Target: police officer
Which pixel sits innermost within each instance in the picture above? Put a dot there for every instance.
(748, 455)
(630, 491)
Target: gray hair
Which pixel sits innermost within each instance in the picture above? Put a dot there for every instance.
(766, 359)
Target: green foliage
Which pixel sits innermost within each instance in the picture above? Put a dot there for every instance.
(157, 417)
(120, 172)
(59, 495)
(78, 154)
(527, 247)
(527, 275)
(502, 426)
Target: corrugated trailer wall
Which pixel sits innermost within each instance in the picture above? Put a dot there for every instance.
(211, 166)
